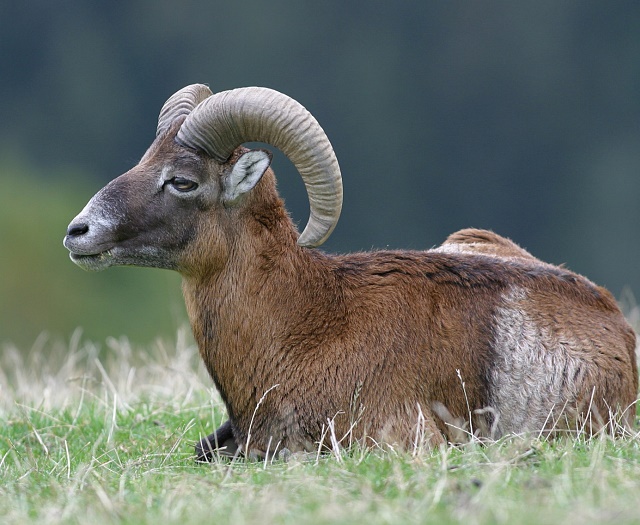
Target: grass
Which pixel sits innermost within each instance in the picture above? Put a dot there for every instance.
(91, 435)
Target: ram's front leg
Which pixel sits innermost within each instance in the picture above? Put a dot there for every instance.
(220, 443)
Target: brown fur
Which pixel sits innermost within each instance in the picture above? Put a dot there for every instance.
(369, 341)
(486, 243)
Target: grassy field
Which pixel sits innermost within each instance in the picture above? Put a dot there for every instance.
(105, 435)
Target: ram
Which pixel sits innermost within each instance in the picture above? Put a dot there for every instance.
(309, 349)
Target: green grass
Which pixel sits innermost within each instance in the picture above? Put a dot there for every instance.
(105, 435)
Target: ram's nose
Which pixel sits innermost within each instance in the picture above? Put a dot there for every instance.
(76, 236)
(76, 229)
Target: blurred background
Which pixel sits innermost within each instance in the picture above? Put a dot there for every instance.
(520, 117)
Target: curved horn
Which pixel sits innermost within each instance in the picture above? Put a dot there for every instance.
(180, 104)
(227, 119)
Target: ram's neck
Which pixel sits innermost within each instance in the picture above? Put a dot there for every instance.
(247, 318)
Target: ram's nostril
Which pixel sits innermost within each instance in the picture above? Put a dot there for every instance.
(76, 230)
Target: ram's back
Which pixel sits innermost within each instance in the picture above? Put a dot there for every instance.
(536, 346)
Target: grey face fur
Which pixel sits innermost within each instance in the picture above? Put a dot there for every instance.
(149, 215)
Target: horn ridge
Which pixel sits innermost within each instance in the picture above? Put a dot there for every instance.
(180, 104)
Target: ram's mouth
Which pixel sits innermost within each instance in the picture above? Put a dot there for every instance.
(93, 262)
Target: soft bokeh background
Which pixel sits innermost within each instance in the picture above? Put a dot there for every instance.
(521, 117)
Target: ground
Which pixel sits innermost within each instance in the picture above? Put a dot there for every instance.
(105, 435)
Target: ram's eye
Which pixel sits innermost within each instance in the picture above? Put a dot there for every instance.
(182, 184)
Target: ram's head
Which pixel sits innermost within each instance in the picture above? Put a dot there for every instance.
(190, 190)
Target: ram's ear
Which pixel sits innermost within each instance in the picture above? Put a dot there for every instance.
(246, 173)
